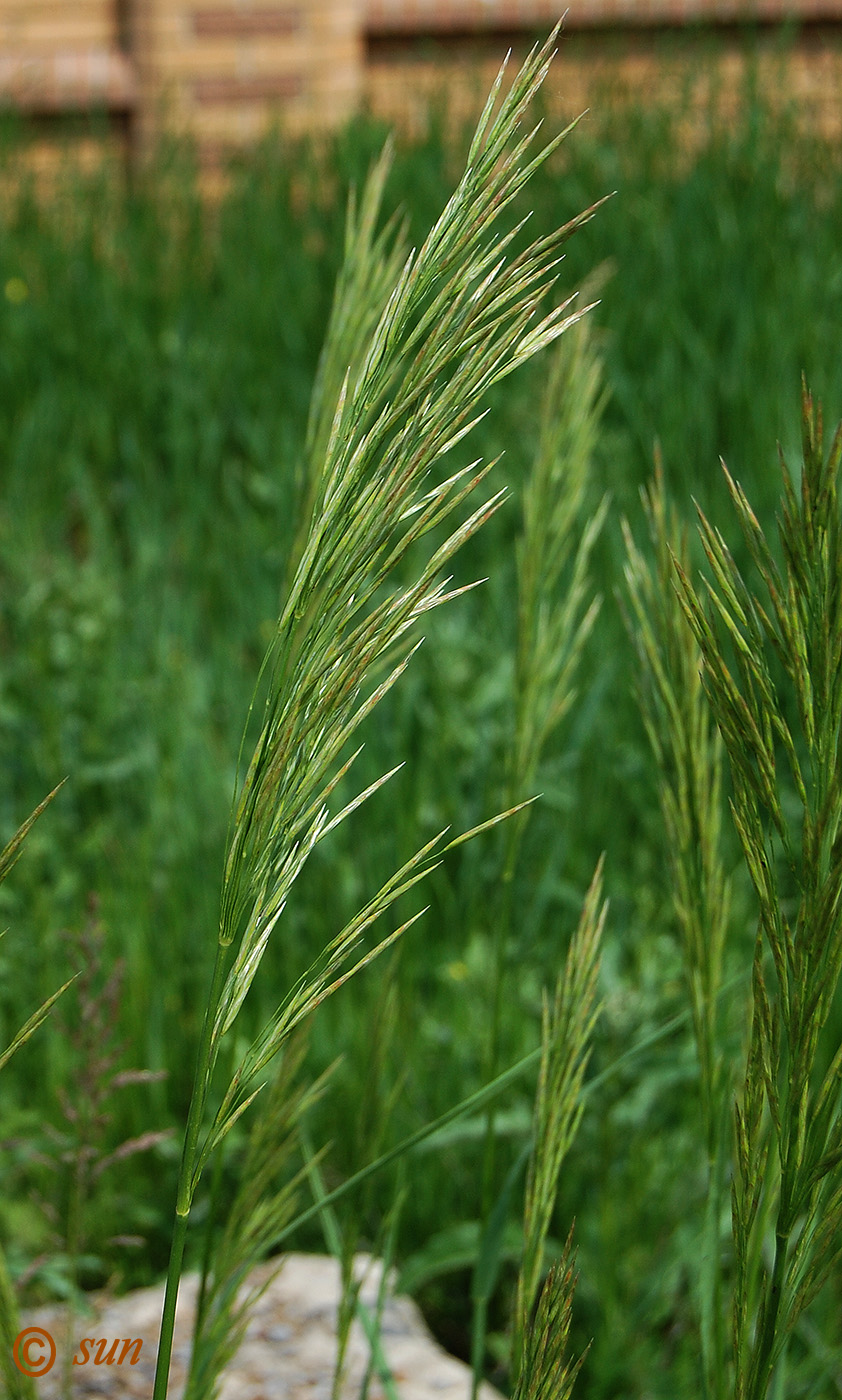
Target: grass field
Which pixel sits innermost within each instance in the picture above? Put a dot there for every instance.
(155, 374)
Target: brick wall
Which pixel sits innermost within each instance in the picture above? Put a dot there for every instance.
(445, 53)
(447, 17)
(218, 70)
(63, 56)
(223, 70)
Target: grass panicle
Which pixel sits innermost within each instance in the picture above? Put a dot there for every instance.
(773, 672)
(688, 752)
(555, 614)
(459, 319)
(371, 264)
(547, 1371)
(568, 1023)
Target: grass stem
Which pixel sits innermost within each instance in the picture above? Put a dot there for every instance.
(184, 1197)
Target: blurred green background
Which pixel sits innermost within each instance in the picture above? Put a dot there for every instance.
(156, 358)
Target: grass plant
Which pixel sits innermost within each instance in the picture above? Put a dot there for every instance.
(773, 671)
(146, 525)
(19, 1386)
(568, 1024)
(554, 618)
(459, 318)
(688, 752)
(264, 1204)
(372, 262)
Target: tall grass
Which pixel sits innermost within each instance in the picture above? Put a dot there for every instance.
(18, 1385)
(446, 325)
(146, 525)
(775, 687)
(688, 752)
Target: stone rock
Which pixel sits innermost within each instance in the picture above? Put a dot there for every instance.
(288, 1352)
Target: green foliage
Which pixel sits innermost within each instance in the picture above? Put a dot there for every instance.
(149, 471)
(460, 317)
(368, 275)
(263, 1205)
(773, 673)
(555, 615)
(18, 1385)
(568, 1024)
(547, 1373)
(688, 753)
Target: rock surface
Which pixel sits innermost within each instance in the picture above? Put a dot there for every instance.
(288, 1352)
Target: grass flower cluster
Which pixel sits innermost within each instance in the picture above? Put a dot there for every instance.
(772, 660)
(458, 317)
(688, 752)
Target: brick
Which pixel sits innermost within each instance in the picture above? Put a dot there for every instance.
(245, 59)
(408, 17)
(241, 23)
(225, 88)
(224, 71)
(46, 24)
(590, 72)
(68, 80)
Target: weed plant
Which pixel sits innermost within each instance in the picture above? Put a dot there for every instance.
(146, 523)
